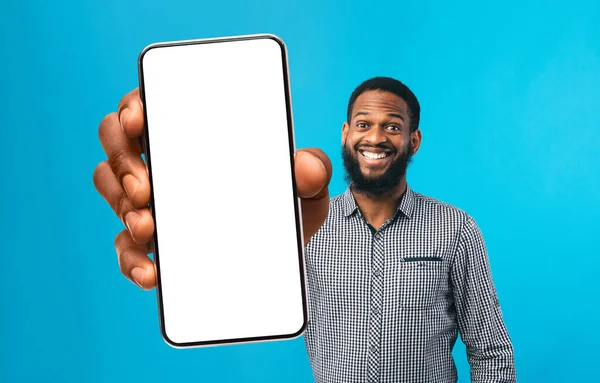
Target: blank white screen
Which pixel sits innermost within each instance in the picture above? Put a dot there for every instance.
(223, 192)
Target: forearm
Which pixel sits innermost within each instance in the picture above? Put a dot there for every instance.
(489, 348)
(490, 353)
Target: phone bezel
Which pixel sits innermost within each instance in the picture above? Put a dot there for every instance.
(297, 205)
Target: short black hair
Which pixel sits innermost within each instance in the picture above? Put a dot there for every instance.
(388, 84)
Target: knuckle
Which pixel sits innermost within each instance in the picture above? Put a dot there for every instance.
(129, 99)
(118, 160)
(99, 171)
(97, 175)
(125, 100)
(120, 203)
(123, 264)
(105, 124)
(123, 206)
(119, 243)
(121, 239)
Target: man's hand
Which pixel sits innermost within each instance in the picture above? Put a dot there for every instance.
(124, 183)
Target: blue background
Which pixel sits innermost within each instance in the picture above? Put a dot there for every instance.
(511, 126)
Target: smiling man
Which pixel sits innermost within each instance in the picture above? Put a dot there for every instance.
(393, 276)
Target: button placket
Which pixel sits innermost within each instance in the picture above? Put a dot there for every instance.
(377, 258)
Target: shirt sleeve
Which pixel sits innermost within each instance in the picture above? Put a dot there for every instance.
(482, 329)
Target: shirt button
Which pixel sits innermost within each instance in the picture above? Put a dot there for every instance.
(377, 272)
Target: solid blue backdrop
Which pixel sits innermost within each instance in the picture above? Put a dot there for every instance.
(510, 102)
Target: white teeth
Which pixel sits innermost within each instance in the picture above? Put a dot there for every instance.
(374, 156)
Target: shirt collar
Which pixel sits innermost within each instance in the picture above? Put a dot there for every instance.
(406, 205)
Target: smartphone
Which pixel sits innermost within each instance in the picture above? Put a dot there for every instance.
(219, 148)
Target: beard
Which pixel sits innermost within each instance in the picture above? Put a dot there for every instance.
(378, 185)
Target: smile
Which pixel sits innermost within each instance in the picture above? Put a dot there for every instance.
(374, 156)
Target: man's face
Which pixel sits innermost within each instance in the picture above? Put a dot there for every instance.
(377, 143)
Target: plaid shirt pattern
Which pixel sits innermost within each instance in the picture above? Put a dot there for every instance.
(387, 305)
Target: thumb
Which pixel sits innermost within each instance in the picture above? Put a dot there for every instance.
(313, 173)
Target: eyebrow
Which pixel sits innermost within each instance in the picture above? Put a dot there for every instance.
(389, 115)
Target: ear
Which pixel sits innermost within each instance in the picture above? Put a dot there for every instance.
(415, 140)
(345, 129)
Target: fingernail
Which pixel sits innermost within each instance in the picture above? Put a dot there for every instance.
(124, 114)
(131, 219)
(137, 274)
(131, 184)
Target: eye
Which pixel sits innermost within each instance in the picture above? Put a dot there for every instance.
(394, 128)
(362, 125)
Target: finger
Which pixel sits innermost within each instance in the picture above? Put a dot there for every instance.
(134, 262)
(138, 221)
(124, 158)
(131, 114)
(313, 172)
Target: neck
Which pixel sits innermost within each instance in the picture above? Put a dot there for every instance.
(376, 209)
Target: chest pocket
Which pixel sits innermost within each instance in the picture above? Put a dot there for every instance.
(422, 282)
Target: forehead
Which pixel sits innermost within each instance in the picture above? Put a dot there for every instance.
(374, 101)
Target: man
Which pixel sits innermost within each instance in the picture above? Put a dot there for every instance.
(393, 276)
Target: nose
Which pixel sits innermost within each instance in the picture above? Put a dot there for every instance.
(375, 136)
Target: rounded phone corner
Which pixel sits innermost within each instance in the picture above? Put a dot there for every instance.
(299, 332)
(277, 39)
(170, 342)
(147, 49)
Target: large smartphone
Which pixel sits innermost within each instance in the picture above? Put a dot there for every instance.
(219, 147)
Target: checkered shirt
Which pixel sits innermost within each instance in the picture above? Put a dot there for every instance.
(387, 305)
